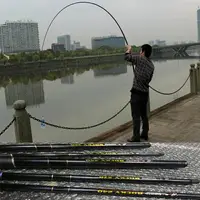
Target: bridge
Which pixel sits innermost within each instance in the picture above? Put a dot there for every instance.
(179, 50)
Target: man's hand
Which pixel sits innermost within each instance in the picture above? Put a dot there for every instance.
(128, 49)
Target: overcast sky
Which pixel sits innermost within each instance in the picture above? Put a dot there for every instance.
(141, 20)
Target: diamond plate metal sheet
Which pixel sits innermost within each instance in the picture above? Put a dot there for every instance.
(173, 151)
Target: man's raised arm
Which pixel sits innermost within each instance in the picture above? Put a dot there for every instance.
(131, 57)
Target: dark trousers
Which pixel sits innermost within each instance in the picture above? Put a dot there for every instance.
(139, 112)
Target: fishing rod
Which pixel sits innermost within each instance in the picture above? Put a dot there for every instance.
(65, 155)
(96, 191)
(29, 147)
(20, 157)
(13, 176)
(20, 163)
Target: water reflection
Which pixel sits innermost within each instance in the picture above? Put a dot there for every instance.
(86, 102)
(68, 79)
(32, 93)
(30, 87)
(111, 71)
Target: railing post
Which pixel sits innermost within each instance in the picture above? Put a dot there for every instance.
(193, 79)
(198, 77)
(23, 131)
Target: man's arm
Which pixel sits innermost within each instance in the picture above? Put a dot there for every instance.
(130, 57)
(151, 77)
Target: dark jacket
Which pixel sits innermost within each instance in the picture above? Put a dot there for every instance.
(143, 71)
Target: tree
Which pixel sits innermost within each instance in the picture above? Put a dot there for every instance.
(36, 57)
(57, 54)
(49, 56)
(13, 58)
(1, 56)
(62, 56)
(29, 57)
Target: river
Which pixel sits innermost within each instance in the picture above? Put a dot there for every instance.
(86, 99)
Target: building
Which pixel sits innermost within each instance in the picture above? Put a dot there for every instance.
(57, 47)
(67, 79)
(151, 43)
(32, 93)
(160, 42)
(157, 42)
(183, 42)
(19, 36)
(75, 46)
(198, 24)
(66, 40)
(110, 41)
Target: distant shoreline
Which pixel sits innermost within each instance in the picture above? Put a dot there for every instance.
(67, 62)
(72, 62)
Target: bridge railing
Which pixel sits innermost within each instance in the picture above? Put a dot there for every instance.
(22, 123)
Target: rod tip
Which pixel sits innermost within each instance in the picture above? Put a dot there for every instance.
(185, 164)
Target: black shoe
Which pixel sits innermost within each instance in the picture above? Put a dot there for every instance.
(144, 137)
(133, 140)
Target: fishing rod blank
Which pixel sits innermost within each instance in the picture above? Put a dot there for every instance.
(29, 147)
(96, 191)
(17, 163)
(65, 155)
(21, 157)
(13, 176)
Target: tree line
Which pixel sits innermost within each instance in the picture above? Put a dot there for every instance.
(48, 55)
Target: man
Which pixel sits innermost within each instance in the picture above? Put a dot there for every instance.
(143, 73)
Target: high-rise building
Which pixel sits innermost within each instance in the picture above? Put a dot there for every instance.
(19, 36)
(66, 40)
(198, 23)
(110, 41)
(32, 93)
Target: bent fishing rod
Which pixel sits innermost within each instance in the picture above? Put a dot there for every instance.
(14, 176)
(120, 28)
(64, 155)
(20, 163)
(96, 191)
(30, 147)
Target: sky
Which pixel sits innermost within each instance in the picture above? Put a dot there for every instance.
(141, 20)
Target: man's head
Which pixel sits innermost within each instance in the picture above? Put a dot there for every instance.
(146, 50)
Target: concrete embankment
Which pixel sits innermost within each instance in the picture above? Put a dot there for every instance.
(177, 121)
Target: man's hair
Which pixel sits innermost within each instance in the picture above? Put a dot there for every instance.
(147, 49)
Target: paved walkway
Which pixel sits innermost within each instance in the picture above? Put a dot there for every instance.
(179, 123)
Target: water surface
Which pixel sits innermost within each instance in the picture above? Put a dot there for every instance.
(87, 98)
